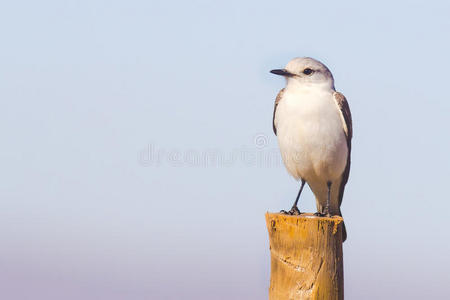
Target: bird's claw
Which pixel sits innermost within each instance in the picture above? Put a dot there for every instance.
(319, 214)
(293, 212)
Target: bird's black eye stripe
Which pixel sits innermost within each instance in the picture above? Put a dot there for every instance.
(307, 71)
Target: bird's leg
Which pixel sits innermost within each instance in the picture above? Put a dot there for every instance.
(327, 208)
(326, 211)
(294, 210)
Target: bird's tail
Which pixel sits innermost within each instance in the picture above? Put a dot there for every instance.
(344, 231)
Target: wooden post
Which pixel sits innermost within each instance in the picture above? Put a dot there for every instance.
(306, 257)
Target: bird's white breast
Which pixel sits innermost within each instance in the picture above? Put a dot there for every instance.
(310, 134)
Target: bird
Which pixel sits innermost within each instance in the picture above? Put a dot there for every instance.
(313, 125)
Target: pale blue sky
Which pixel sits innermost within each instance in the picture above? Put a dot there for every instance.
(91, 91)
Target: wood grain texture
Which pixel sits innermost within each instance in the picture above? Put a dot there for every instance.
(306, 257)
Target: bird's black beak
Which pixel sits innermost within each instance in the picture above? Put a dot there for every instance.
(282, 72)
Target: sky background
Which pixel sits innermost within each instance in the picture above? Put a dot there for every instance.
(137, 158)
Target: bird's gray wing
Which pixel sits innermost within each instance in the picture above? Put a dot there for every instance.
(346, 117)
(277, 100)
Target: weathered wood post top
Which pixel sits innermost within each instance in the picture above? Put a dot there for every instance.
(306, 257)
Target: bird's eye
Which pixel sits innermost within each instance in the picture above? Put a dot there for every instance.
(307, 71)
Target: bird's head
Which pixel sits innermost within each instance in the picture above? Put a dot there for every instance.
(306, 71)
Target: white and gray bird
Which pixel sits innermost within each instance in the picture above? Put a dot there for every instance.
(313, 124)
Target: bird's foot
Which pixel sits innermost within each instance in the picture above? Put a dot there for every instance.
(326, 214)
(293, 212)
